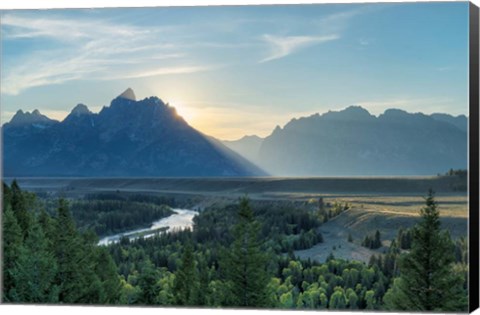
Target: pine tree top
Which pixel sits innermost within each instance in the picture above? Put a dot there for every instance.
(245, 212)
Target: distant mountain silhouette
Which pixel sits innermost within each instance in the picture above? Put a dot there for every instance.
(461, 121)
(247, 146)
(127, 138)
(33, 118)
(352, 142)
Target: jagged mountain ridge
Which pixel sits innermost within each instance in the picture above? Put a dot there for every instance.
(127, 138)
(352, 142)
(26, 118)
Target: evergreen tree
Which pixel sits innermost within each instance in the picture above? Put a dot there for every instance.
(148, 283)
(46, 260)
(372, 242)
(19, 207)
(367, 242)
(106, 270)
(35, 270)
(7, 195)
(76, 270)
(404, 238)
(165, 284)
(247, 264)
(12, 243)
(186, 279)
(377, 243)
(370, 300)
(204, 278)
(47, 223)
(427, 281)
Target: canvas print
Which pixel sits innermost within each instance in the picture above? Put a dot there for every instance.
(307, 157)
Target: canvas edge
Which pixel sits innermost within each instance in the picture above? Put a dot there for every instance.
(473, 285)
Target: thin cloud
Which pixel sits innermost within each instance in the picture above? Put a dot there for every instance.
(337, 21)
(363, 42)
(102, 49)
(444, 69)
(325, 29)
(15, 27)
(283, 46)
(91, 50)
(164, 71)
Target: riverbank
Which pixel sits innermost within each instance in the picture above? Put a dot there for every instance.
(181, 219)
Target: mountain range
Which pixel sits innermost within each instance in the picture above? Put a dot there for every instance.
(148, 138)
(128, 138)
(352, 142)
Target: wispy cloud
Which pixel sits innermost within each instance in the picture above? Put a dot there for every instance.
(328, 28)
(283, 46)
(445, 68)
(88, 49)
(337, 22)
(163, 71)
(64, 29)
(364, 42)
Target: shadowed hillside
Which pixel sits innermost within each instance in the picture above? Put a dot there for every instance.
(127, 138)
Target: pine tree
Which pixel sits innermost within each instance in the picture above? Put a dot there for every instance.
(148, 283)
(12, 243)
(204, 278)
(47, 223)
(106, 271)
(19, 208)
(7, 195)
(370, 300)
(35, 270)
(247, 263)
(186, 279)
(377, 243)
(350, 238)
(76, 269)
(427, 281)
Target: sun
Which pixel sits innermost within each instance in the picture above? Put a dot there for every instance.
(187, 113)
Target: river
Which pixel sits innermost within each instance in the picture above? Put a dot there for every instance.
(181, 219)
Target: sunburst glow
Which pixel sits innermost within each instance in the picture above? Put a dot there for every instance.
(186, 112)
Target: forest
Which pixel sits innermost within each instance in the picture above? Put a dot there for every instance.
(237, 255)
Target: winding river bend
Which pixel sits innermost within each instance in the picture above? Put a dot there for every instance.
(181, 219)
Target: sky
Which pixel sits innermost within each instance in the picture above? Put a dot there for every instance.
(241, 70)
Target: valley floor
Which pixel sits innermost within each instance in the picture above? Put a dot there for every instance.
(384, 204)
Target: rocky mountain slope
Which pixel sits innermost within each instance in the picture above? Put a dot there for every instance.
(128, 138)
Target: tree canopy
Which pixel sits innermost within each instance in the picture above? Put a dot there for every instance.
(427, 279)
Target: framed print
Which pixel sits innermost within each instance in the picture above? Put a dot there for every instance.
(293, 157)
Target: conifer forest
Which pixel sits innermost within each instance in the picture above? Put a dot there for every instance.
(242, 254)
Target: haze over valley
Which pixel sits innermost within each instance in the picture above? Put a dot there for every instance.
(149, 138)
